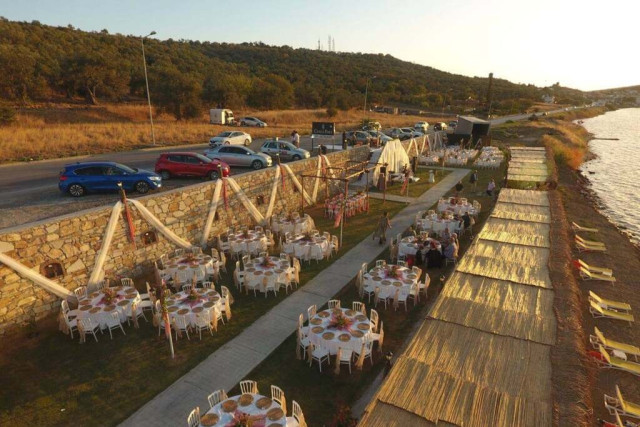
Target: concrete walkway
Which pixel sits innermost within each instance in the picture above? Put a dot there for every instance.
(232, 362)
(393, 197)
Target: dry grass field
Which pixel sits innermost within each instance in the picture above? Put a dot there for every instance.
(59, 130)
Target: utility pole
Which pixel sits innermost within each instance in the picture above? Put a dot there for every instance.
(489, 95)
(146, 79)
(366, 92)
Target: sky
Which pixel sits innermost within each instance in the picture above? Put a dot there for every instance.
(584, 44)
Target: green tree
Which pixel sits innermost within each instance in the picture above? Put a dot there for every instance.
(272, 92)
(94, 74)
(18, 72)
(175, 92)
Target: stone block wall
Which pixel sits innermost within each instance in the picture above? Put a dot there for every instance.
(74, 240)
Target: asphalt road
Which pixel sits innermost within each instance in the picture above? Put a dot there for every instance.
(36, 183)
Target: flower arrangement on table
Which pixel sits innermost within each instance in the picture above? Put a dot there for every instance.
(394, 272)
(267, 263)
(307, 237)
(246, 234)
(188, 258)
(240, 419)
(341, 322)
(110, 296)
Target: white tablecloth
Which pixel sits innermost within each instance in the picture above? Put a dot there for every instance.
(379, 276)
(254, 243)
(305, 249)
(180, 305)
(408, 245)
(185, 267)
(255, 272)
(225, 418)
(299, 226)
(458, 209)
(321, 332)
(95, 305)
(439, 225)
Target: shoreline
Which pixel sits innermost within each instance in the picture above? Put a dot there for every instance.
(586, 189)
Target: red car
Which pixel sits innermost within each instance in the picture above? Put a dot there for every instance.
(189, 164)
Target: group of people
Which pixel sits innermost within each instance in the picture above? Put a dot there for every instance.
(428, 255)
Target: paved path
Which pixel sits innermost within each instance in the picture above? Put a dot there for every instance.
(232, 362)
(393, 197)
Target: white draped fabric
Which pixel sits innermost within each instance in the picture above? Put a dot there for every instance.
(215, 201)
(36, 277)
(98, 272)
(394, 154)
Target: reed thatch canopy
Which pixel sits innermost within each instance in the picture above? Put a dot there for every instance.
(523, 197)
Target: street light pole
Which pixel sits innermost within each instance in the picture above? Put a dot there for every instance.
(366, 92)
(146, 79)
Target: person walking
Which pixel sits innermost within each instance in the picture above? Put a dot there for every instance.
(474, 179)
(459, 188)
(295, 138)
(383, 225)
(491, 187)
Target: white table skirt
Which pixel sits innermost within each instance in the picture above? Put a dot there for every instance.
(178, 301)
(456, 209)
(388, 286)
(408, 246)
(98, 305)
(332, 345)
(203, 266)
(255, 273)
(300, 226)
(251, 409)
(255, 243)
(438, 226)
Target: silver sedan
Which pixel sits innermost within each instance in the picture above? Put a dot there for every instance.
(234, 155)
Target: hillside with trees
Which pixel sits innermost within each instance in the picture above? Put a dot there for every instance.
(40, 62)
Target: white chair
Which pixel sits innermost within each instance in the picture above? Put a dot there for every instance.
(311, 311)
(193, 420)
(373, 319)
(368, 291)
(80, 292)
(136, 310)
(381, 263)
(345, 357)
(71, 323)
(112, 320)
(203, 323)
(401, 263)
(334, 303)
(222, 262)
(178, 252)
(359, 307)
(214, 253)
(180, 324)
(263, 255)
(335, 244)
(303, 342)
(208, 285)
(249, 387)
(379, 338)
(216, 397)
(245, 260)
(319, 354)
(368, 352)
(277, 395)
(284, 257)
(377, 299)
(100, 285)
(186, 287)
(297, 417)
(259, 229)
(127, 282)
(196, 250)
(305, 329)
(87, 327)
(315, 253)
(64, 306)
(400, 297)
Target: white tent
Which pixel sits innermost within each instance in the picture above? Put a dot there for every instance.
(394, 155)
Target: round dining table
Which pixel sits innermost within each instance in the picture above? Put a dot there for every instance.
(306, 247)
(186, 266)
(182, 304)
(456, 207)
(439, 225)
(95, 304)
(409, 245)
(326, 329)
(263, 411)
(275, 270)
(249, 241)
(384, 278)
(299, 225)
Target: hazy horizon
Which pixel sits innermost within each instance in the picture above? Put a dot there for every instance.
(567, 42)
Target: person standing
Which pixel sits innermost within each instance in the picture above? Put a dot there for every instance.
(491, 187)
(474, 179)
(459, 188)
(295, 138)
(383, 225)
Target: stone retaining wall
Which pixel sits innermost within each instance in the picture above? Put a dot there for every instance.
(74, 240)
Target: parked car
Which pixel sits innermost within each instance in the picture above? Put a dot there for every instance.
(284, 149)
(453, 124)
(377, 134)
(252, 121)
(439, 126)
(412, 132)
(189, 164)
(358, 137)
(421, 127)
(239, 156)
(79, 179)
(394, 132)
(230, 137)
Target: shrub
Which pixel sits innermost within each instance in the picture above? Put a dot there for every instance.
(7, 115)
(332, 112)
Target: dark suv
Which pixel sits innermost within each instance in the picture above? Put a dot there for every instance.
(80, 178)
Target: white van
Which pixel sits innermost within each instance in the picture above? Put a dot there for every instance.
(221, 116)
(421, 127)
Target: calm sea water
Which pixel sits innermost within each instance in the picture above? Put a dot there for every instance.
(617, 168)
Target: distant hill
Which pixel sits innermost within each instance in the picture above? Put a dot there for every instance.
(40, 62)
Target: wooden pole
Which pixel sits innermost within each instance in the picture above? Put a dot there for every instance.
(344, 208)
(367, 190)
(302, 195)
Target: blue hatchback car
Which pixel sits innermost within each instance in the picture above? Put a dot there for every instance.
(80, 178)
